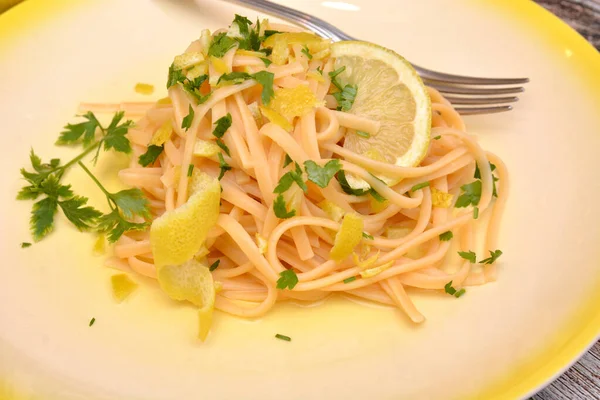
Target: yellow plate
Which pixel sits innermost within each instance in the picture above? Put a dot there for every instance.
(503, 340)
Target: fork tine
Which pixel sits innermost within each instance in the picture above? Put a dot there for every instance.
(481, 100)
(482, 110)
(441, 77)
(468, 90)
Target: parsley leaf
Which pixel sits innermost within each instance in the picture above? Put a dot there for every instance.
(82, 217)
(223, 147)
(266, 80)
(449, 289)
(280, 209)
(287, 279)
(471, 195)
(235, 77)
(214, 265)
(446, 236)
(419, 186)
(220, 45)
(132, 202)
(193, 88)
(322, 175)
(223, 166)
(175, 76)
(42, 217)
(287, 179)
(379, 198)
(266, 61)
(453, 292)
(287, 161)
(341, 177)
(269, 32)
(74, 132)
(186, 123)
(346, 97)
(115, 225)
(222, 124)
(494, 255)
(477, 174)
(250, 39)
(468, 255)
(306, 52)
(494, 177)
(150, 156)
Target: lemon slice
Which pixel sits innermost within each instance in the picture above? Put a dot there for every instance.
(348, 237)
(193, 282)
(391, 92)
(177, 235)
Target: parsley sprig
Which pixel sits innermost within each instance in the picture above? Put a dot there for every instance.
(44, 182)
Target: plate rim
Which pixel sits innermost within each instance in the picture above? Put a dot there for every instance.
(527, 379)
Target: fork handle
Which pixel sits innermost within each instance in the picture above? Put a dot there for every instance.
(325, 29)
(312, 23)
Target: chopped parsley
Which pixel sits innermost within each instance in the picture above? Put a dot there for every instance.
(348, 280)
(306, 52)
(222, 125)
(150, 156)
(322, 175)
(363, 134)
(287, 279)
(452, 291)
(280, 208)
(250, 39)
(223, 166)
(333, 75)
(494, 255)
(367, 236)
(190, 170)
(186, 123)
(468, 255)
(283, 337)
(438, 137)
(470, 196)
(345, 98)
(419, 186)
(494, 177)
(287, 179)
(287, 161)
(475, 212)
(214, 265)
(92, 321)
(266, 61)
(220, 45)
(341, 178)
(25, 245)
(265, 78)
(446, 236)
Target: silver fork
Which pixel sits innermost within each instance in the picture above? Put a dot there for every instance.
(478, 94)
